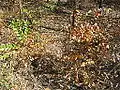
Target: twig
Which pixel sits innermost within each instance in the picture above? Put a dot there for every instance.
(114, 68)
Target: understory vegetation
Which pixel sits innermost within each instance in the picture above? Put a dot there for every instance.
(48, 45)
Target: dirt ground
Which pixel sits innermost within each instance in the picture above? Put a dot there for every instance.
(50, 59)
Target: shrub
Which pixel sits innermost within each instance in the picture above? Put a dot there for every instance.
(21, 27)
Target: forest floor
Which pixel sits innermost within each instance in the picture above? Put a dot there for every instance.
(51, 55)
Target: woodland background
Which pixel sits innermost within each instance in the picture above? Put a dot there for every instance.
(59, 45)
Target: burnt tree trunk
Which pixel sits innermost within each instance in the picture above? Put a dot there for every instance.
(100, 3)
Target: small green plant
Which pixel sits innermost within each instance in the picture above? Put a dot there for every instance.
(7, 48)
(21, 27)
(51, 6)
(4, 56)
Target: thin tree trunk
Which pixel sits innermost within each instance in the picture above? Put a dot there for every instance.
(20, 5)
(47, 1)
(74, 12)
(100, 3)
